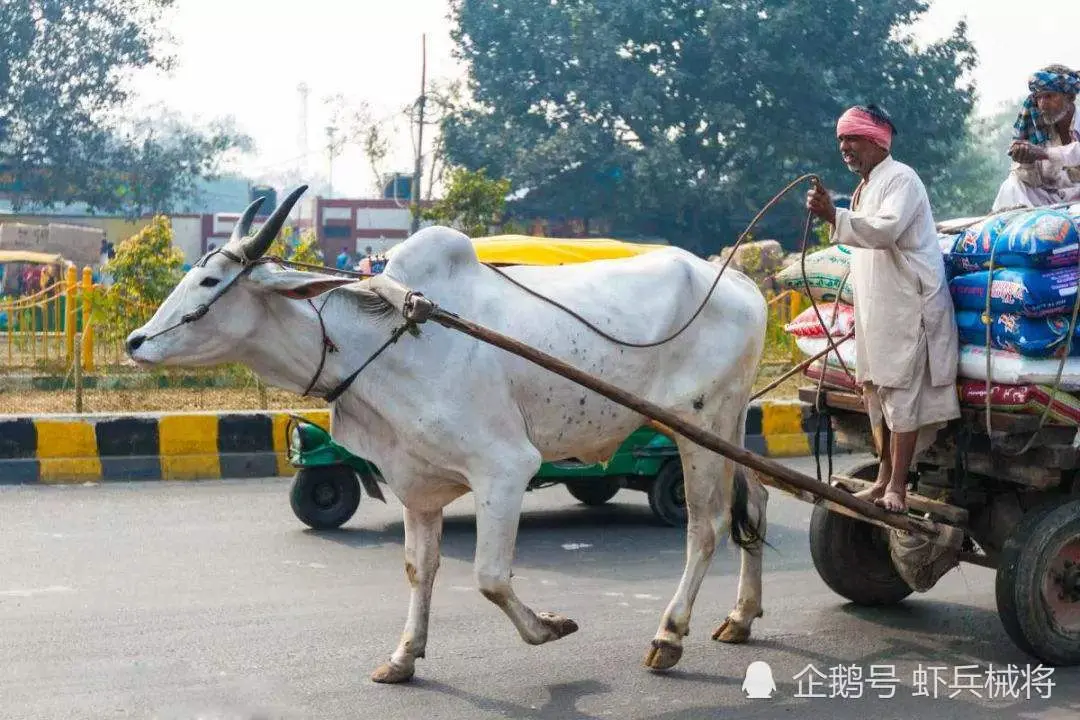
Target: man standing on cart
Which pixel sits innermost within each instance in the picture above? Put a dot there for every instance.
(906, 341)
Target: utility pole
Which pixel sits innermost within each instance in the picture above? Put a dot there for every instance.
(330, 151)
(419, 168)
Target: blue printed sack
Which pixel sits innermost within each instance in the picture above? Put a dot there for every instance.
(1024, 291)
(1040, 238)
(1031, 337)
(971, 252)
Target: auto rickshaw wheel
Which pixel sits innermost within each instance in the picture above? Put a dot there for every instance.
(324, 498)
(852, 556)
(593, 491)
(1038, 584)
(667, 496)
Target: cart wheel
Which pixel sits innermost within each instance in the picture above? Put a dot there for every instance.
(325, 498)
(593, 491)
(852, 556)
(1038, 584)
(667, 497)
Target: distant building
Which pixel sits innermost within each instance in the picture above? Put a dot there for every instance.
(359, 224)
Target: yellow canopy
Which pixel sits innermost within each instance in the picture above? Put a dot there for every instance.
(27, 256)
(528, 250)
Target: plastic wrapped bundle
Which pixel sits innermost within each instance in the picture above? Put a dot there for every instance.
(826, 276)
(973, 247)
(1032, 337)
(1023, 291)
(838, 317)
(1013, 369)
(1041, 238)
(830, 375)
(811, 346)
(1027, 399)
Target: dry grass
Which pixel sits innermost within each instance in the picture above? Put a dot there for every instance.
(250, 397)
(33, 402)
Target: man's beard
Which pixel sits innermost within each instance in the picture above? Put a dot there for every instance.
(1059, 116)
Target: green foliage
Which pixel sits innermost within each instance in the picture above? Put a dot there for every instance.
(64, 132)
(472, 203)
(145, 270)
(968, 185)
(681, 118)
(302, 248)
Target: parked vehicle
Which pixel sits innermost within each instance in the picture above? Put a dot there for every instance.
(330, 480)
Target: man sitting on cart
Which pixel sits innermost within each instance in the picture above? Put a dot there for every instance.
(906, 341)
(1046, 143)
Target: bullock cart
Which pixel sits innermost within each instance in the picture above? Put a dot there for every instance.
(1007, 500)
(1010, 485)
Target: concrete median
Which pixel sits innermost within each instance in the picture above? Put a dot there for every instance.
(59, 449)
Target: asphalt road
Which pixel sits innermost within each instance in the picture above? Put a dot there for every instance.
(210, 600)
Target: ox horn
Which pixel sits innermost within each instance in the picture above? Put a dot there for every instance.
(256, 246)
(240, 230)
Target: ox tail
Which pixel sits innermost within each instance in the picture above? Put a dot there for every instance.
(745, 531)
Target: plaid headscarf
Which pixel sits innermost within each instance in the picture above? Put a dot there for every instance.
(1028, 124)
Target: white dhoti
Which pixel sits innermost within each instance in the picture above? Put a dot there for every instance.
(1014, 192)
(921, 407)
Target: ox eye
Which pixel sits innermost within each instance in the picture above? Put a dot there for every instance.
(209, 282)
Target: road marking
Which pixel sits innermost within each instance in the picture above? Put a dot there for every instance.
(576, 546)
(30, 592)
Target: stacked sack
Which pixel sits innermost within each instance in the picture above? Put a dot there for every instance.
(1035, 279)
(828, 282)
(1032, 292)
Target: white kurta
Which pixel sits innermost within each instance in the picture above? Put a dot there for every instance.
(905, 327)
(1045, 182)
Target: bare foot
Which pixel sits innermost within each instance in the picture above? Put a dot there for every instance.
(893, 502)
(873, 493)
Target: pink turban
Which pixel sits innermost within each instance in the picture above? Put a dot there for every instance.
(859, 123)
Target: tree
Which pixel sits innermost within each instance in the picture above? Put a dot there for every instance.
(473, 202)
(299, 247)
(64, 67)
(967, 186)
(683, 117)
(146, 268)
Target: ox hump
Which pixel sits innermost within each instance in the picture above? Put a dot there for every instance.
(433, 253)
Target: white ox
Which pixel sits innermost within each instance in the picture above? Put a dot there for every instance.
(443, 414)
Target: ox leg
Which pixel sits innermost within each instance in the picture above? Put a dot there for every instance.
(423, 531)
(705, 480)
(497, 515)
(736, 627)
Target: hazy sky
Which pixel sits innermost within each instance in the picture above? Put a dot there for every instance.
(246, 58)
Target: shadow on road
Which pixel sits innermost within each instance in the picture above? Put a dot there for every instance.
(614, 541)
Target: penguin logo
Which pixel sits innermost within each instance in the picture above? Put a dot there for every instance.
(759, 682)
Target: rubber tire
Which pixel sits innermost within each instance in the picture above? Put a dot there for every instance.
(664, 493)
(307, 482)
(593, 491)
(1018, 585)
(853, 559)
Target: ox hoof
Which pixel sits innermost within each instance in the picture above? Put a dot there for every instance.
(557, 625)
(390, 673)
(732, 631)
(663, 655)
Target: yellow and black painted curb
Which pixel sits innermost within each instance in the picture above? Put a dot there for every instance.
(212, 445)
(146, 446)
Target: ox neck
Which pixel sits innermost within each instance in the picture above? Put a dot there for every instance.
(287, 350)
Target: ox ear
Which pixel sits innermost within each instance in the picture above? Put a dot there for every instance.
(297, 284)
